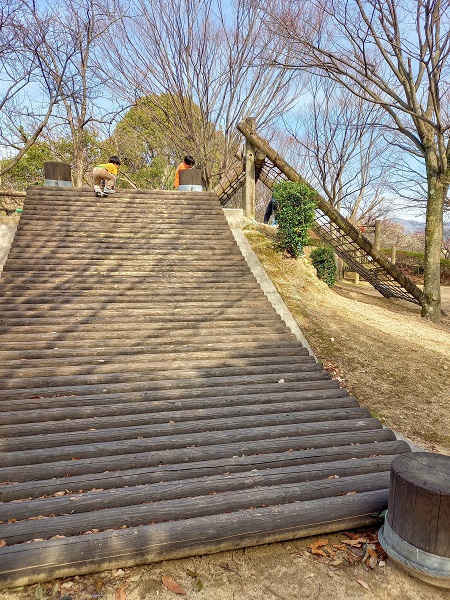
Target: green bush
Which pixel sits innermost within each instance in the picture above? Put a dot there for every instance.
(295, 205)
(325, 264)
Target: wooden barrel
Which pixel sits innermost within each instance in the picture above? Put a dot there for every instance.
(191, 180)
(58, 173)
(416, 532)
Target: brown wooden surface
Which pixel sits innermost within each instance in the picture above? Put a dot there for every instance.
(145, 378)
(419, 501)
(57, 171)
(191, 177)
(35, 561)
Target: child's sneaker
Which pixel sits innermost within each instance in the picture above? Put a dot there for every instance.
(108, 190)
(97, 189)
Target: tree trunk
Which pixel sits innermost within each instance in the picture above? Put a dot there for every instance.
(79, 162)
(437, 191)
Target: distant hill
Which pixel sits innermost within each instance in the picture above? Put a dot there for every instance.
(409, 225)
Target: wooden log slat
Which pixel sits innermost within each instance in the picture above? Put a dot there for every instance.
(180, 330)
(92, 435)
(25, 348)
(31, 424)
(42, 397)
(90, 553)
(64, 367)
(189, 455)
(206, 358)
(84, 502)
(127, 302)
(169, 400)
(189, 508)
(182, 440)
(140, 380)
(314, 459)
(135, 347)
(311, 372)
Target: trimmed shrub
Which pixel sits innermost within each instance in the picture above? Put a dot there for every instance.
(296, 203)
(325, 264)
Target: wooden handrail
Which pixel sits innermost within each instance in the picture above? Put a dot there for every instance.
(335, 216)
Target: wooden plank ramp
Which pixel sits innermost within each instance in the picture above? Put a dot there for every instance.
(153, 404)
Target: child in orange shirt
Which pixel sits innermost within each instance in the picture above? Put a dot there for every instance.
(188, 163)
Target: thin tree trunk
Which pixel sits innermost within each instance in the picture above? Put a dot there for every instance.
(79, 161)
(431, 307)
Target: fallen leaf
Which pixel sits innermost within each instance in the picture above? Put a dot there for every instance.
(352, 535)
(339, 546)
(2, 543)
(173, 586)
(316, 545)
(329, 551)
(198, 585)
(381, 553)
(372, 559)
(356, 542)
(120, 592)
(363, 583)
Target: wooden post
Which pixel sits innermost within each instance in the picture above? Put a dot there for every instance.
(248, 193)
(58, 173)
(191, 180)
(376, 240)
(416, 532)
(394, 254)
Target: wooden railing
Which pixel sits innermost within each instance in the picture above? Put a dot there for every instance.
(348, 241)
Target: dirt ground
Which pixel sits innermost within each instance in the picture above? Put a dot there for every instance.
(398, 366)
(283, 571)
(394, 362)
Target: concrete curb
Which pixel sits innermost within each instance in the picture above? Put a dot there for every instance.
(268, 287)
(7, 233)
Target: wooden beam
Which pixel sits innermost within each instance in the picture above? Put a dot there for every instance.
(21, 565)
(331, 212)
(248, 194)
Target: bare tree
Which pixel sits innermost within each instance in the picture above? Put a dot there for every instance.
(342, 146)
(81, 23)
(392, 53)
(30, 86)
(210, 57)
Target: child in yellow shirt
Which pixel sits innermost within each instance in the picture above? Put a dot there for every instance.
(107, 172)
